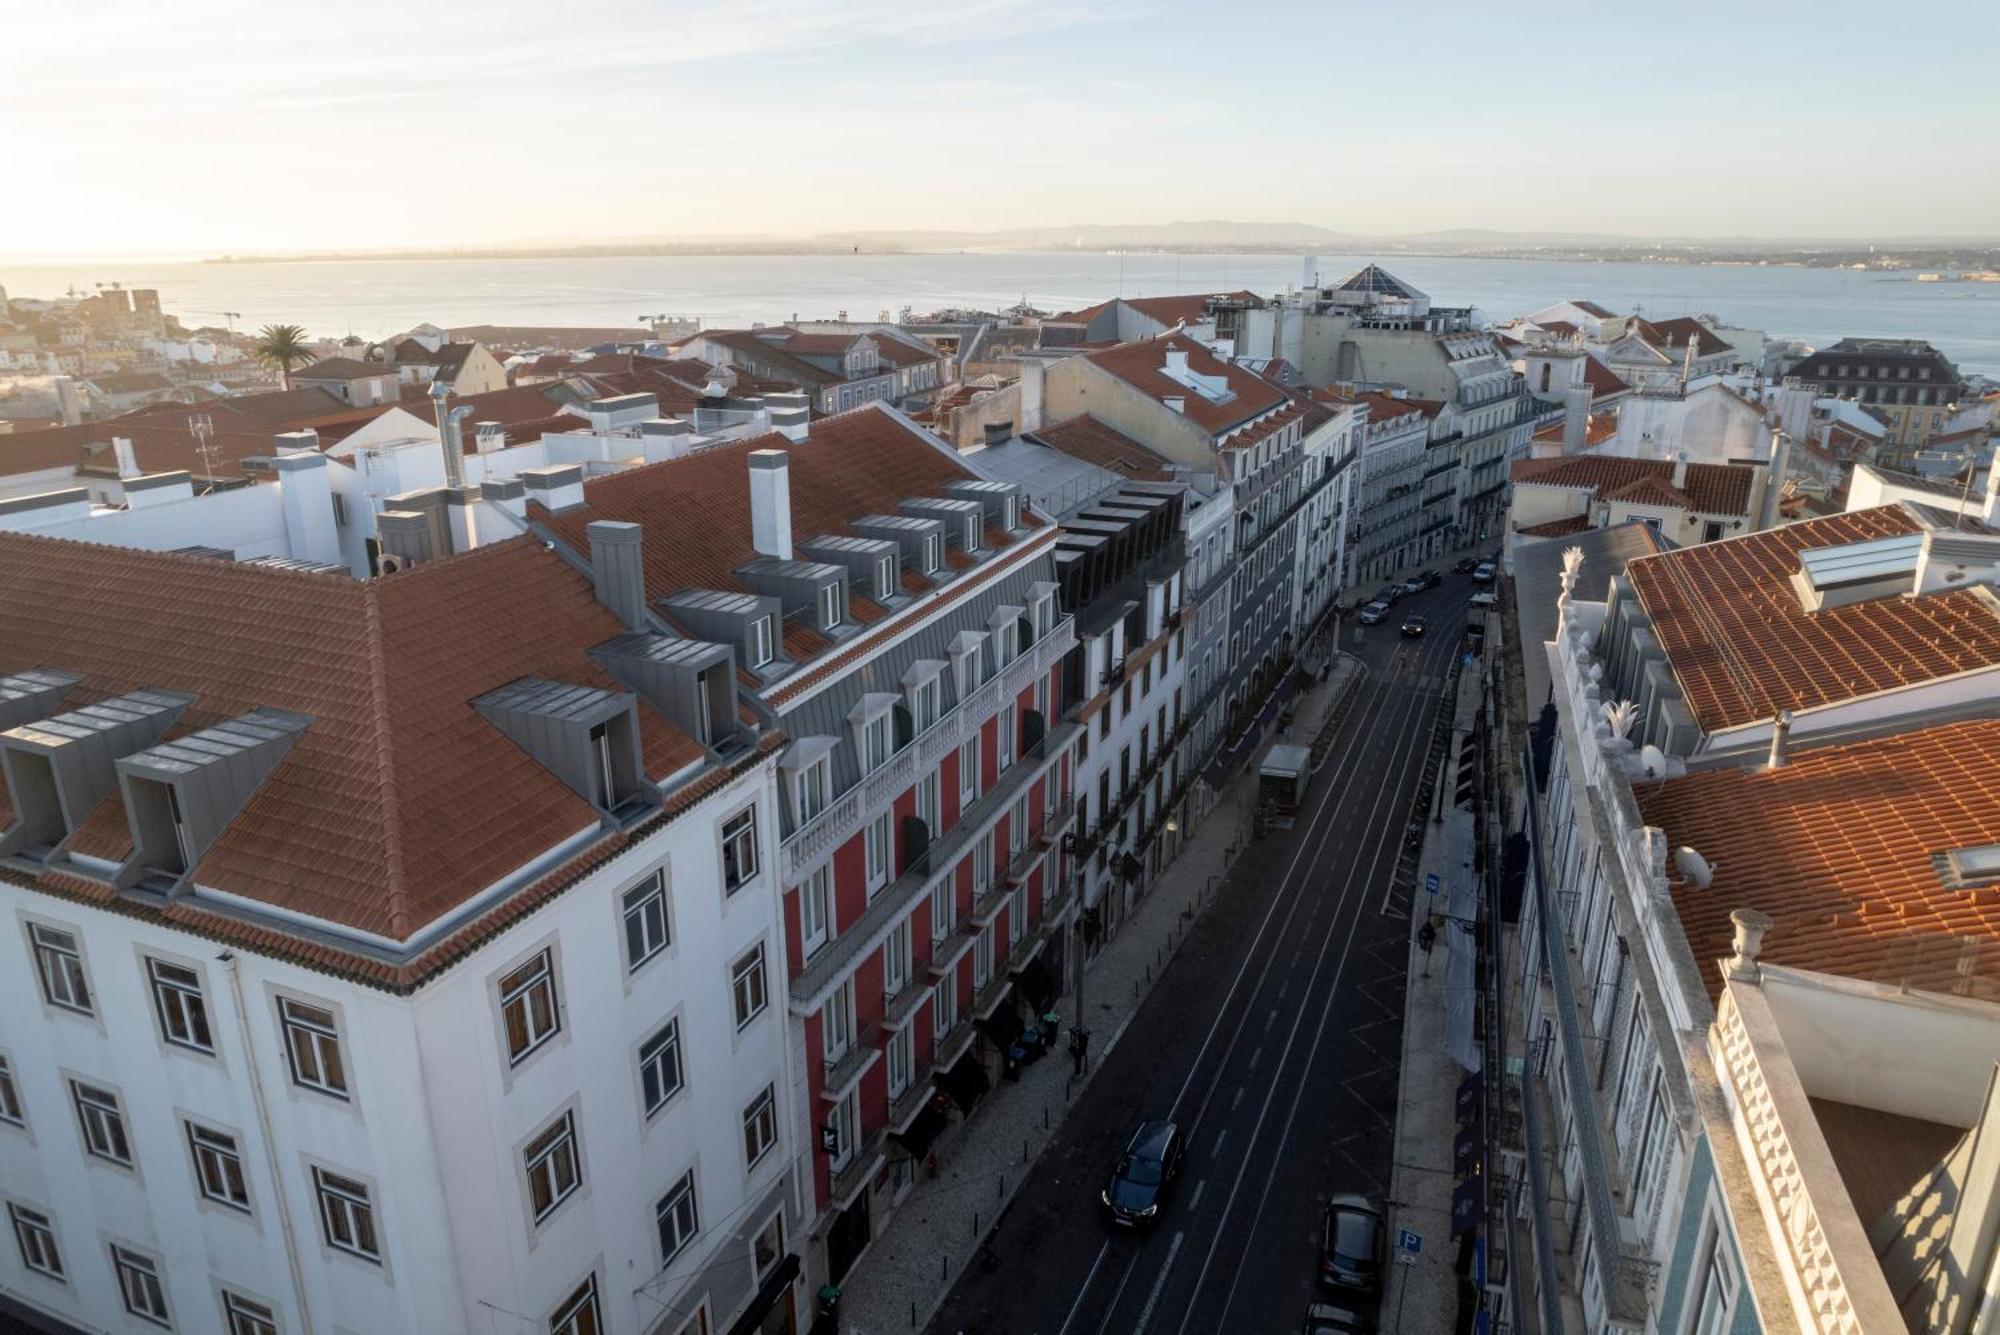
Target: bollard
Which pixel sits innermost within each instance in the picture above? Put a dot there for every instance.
(1002, 1194)
(1024, 1149)
(975, 1223)
(913, 1314)
(1045, 1110)
(944, 1271)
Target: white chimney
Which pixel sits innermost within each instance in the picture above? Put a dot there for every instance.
(1774, 479)
(1992, 514)
(128, 463)
(1176, 361)
(1576, 419)
(305, 495)
(1681, 470)
(771, 503)
(555, 487)
(1175, 403)
(1031, 394)
(794, 424)
(297, 442)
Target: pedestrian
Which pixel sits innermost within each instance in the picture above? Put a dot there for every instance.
(1079, 1044)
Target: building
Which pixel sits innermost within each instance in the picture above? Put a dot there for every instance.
(840, 370)
(1327, 473)
(1694, 706)
(1388, 508)
(355, 383)
(1213, 318)
(380, 959)
(899, 620)
(1685, 502)
(1905, 382)
(423, 357)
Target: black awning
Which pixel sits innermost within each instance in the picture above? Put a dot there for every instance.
(966, 1082)
(767, 1296)
(1036, 984)
(1003, 1026)
(921, 1132)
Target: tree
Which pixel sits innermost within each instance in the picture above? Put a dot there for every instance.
(284, 346)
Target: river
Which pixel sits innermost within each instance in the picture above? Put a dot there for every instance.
(374, 298)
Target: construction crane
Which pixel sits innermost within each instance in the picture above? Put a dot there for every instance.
(231, 317)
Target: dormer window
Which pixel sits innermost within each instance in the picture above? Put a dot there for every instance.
(972, 533)
(926, 701)
(829, 605)
(809, 788)
(604, 786)
(1010, 511)
(933, 552)
(875, 742)
(757, 645)
(885, 578)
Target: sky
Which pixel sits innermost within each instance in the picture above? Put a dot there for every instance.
(224, 126)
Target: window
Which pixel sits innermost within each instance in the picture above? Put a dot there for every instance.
(982, 865)
(1717, 1292)
(139, 1284)
(579, 1314)
(747, 980)
(606, 791)
(645, 909)
(944, 1006)
(660, 1066)
(896, 959)
(809, 791)
(846, 1128)
(739, 849)
(312, 1044)
(528, 1006)
(59, 960)
(35, 1235)
(1017, 915)
(760, 641)
(875, 742)
(10, 1097)
(929, 806)
(902, 1059)
(836, 1023)
(966, 668)
(829, 605)
(676, 1217)
(346, 1215)
(933, 551)
(1651, 1144)
(885, 578)
(768, 1247)
(982, 958)
(218, 1167)
(879, 848)
(102, 1123)
(944, 908)
(968, 770)
(247, 1316)
(926, 701)
(554, 1173)
(814, 912)
(1008, 725)
(177, 1000)
(760, 1126)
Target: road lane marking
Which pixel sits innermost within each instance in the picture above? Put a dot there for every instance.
(1083, 1291)
(1112, 1310)
(1236, 1102)
(1257, 1056)
(1271, 1018)
(1194, 1201)
(1220, 1136)
(1153, 1298)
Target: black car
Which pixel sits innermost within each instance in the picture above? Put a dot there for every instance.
(1387, 594)
(1326, 1319)
(1466, 565)
(1414, 627)
(1144, 1175)
(1428, 579)
(1351, 1245)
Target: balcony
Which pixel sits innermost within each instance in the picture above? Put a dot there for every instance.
(812, 984)
(954, 1043)
(904, 1107)
(845, 1073)
(860, 1169)
(815, 841)
(900, 1009)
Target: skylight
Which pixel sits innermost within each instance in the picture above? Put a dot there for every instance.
(1862, 562)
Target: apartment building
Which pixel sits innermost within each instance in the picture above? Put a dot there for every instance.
(841, 369)
(1687, 502)
(898, 619)
(387, 955)
(1705, 784)
(1327, 472)
(1383, 524)
(1904, 382)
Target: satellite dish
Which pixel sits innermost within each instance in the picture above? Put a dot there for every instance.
(1694, 868)
(1652, 761)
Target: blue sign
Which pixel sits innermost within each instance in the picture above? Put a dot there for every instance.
(1409, 1241)
(1430, 882)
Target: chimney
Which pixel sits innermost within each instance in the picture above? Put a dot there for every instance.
(71, 401)
(617, 570)
(1781, 733)
(305, 495)
(1681, 470)
(554, 487)
(128, 463)
(508, 493)
(771, 503)
(1774, 478)
(1175, 403)
(794, 424)
(999, 433)
(1031, 394)
(297, 442)
(449, 441)
(1176, 361)
(1576, 419)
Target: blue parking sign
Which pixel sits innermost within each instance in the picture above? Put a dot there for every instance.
(1409, 1242)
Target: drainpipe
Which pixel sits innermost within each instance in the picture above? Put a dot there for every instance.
(228, 959)
(1781, 731)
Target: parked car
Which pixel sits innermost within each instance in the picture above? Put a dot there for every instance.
(1144, 1175)
(1414, 627)
(1373, 613)
(1351, 1245)
(1428, 579)
(1326, 1319)
(1388, 593)
(1466, 565)
(1484, 598)
(1483, 573)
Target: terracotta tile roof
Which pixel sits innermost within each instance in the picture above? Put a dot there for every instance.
(340, 369)
(1557, 528)
(1742, 647)
(1141, 364)
(1603, 381)
(1187, 308)
(897, 353)
(1560, 328)
(162, 440)
(1675, 334)
(399, 801)
(1592, 308)
(1714, 489)
(1600, 428)
(853, 464)
(1839, 846)
(1386, 407)
(1266, 427)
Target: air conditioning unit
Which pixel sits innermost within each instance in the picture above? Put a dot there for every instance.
(388, 563)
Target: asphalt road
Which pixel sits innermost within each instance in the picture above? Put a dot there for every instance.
(1273, 1039)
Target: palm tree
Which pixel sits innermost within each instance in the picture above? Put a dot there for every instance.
(283, 346)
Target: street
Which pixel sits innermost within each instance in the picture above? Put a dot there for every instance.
(1272, 1039)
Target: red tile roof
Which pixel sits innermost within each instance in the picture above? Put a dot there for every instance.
(1557, 528)
(1742, 647)
(1387, 407)
(1839, 846)
(1603, 381)
(399, 802)
(1714, 489)
(162, 440)
(1141, 364)
(1600, 428)
(1187, 308)
(1100, 443)
(1674, 334)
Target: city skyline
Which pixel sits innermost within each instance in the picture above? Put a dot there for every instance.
(215, 133)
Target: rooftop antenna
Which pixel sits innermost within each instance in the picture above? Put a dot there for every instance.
(202, 427)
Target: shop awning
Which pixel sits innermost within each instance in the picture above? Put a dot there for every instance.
(917, 1137)
(966, 1082)
(1003, 1026)
(1036, 984)
(767, 1297)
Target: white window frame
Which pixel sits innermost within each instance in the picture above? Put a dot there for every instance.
(245, 1315)
(830, 613)
(929, 803)
(944, 1006)
(900, 1056)
(760, 1127)
(982, 958)
(760, 641)
(927, 702)
(944, 908)
(347, 1215)
(1009, 728)
(681, 1207)
(660, 1053)
(570, 1317)
(1714, 1277)
(812, 789)
(552, 1166)
(10, 1094)
(644, 907)
(1017, 916)
(739, 849)
(321, 1038)
(885, 577)
(101, 1123)
(982, 866)
(836, 1023)
(59, 965)
(815, 910)
(774, 1229)
(142, 1285)
(219, 1174)
(878, 741)
(519, 986)
(1017, 824)
(179, 1005)
(846, 1129)
(750, 990)
(43, 1255)
(933, 552)
(968, 773)
(879, 842)
(896, 953)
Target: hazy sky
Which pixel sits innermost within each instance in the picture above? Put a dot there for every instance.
(215, 125)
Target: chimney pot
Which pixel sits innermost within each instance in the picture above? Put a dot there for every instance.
(1781, 733)
(998, 433)
(128, 462)
(771, 503)
(1680, 470)
(617, 569)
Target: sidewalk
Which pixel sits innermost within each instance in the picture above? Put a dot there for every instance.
(911, 1265)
